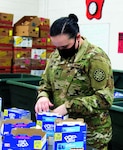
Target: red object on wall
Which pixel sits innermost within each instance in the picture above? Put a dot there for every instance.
(94, 8)
(120, 43)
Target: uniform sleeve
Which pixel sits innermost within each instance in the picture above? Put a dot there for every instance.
(101, 78)
(44, 84)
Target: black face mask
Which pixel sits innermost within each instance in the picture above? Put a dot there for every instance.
(66, 53)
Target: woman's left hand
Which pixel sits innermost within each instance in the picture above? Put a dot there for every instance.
(61, 110)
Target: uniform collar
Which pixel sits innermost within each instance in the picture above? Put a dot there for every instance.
(81, 51)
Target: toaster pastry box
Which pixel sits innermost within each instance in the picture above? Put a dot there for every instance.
(62, 132)
(50, 129)
(20, 132)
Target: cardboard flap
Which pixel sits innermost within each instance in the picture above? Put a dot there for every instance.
(14, 121)
(28, 131)
(28, 21)
(70, 121)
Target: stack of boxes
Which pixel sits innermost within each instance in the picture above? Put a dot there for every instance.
(31, 45)
(70, 134)
(21, 54)
(44, 32)
(24, 30)
(6, 42)
(40, 48)
(25, 46)
(19, 132)
(63, 133)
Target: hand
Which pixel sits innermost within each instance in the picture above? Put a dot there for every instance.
(43, 104)
(61, 110)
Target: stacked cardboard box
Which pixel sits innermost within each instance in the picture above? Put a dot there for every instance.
(44, 32)
(63, 132)
(24, 47)
(24, 30)
(6, 42)
(19, 132)
(41, 44)
(27, 26)
(70, 134)
(21, 54)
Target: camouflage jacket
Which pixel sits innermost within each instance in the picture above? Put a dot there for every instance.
(85, 84)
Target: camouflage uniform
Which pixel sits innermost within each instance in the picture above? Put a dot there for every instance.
(85, 84)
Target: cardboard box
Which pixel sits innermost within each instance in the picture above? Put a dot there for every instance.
(45, 23)
(49, 42)
(44, 33)
(21, 70)
(32, 21)
(9, 124)
(5, 69)
(16, 113)
(5, 62)
(21, 41)
(37, 72)
(70, 134)
(39, 43)
(21, 64)
(6, 31)
(27, 26)
(38, 54)
(38, 64)
(46, 121)
(22, 53)
(27, 139)
(6, 19)
(6, 52)
(6, 41)
(26, 31)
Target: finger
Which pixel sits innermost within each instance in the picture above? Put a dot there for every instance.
(38, 108)
(45, 107)
(50, 104)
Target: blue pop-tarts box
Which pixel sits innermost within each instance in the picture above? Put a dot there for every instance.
(70, 134)
(8, 124)
(16, 113)
(46, 121)
(118, 94)
(25, 139)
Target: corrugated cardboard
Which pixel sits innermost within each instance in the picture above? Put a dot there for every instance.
(27, 26)
(6, 19)
(27, 139)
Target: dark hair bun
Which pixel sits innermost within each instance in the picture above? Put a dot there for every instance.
(73, 17)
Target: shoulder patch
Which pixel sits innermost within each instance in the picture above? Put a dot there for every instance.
(99, 75)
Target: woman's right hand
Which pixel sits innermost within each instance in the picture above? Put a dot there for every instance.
(43, 104)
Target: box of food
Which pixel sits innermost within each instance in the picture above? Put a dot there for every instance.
(47, 120)
(70, 134)
(38, 64)
(25, 138)
(5, 62)
(27, 26)
(6, 41)
(6, 31)
(39, 42)
(21, 41)
(45, 23)
(6, 19)
(21, 52)
(6, 52)
(38, 53)
(8, 124)
(21, 63)
(16, 113)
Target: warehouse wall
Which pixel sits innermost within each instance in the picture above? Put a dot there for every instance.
(20, 8)
(53, 9)
(112, 14)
